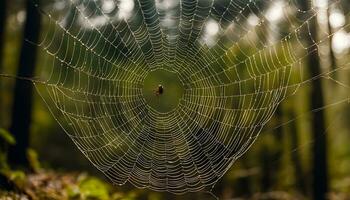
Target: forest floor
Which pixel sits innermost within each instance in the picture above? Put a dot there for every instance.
(51, 185)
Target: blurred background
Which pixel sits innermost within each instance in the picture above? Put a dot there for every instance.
(302, 153)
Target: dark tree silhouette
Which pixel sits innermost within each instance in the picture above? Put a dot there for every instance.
(319, 148)
(243, 185)
(3, 5)
(23, 92)
(320, 171)
(271, 157)
(295, 157)
(3, 181)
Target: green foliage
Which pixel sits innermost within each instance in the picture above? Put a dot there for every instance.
(7, 137)
(3, 161)
(90, 188)
(33, 160)
(17, 177)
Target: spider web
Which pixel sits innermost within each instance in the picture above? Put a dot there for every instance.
(236, 60)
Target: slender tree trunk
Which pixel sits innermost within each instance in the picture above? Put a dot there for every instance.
(319, 149)
(265, 155)
(243, 185)
(271, 156)
(3, 5)
(298, 169)
(22, 105)
(278, 151)
(320, 171)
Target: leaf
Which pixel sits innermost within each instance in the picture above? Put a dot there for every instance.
(33, 160)
(93, 188)
(7, 137)
(18, 177)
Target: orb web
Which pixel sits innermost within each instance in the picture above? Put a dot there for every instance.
(225, 66)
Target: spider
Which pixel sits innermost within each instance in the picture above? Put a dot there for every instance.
(159, 90)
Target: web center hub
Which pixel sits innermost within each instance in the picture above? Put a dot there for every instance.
(162, 90)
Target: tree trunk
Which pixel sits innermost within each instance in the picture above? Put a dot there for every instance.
(23, 92)
(271, 155)
(319, 149)
(297, 165)
(267, 175)
(243, 185)
(320, 172)
(3, 5)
